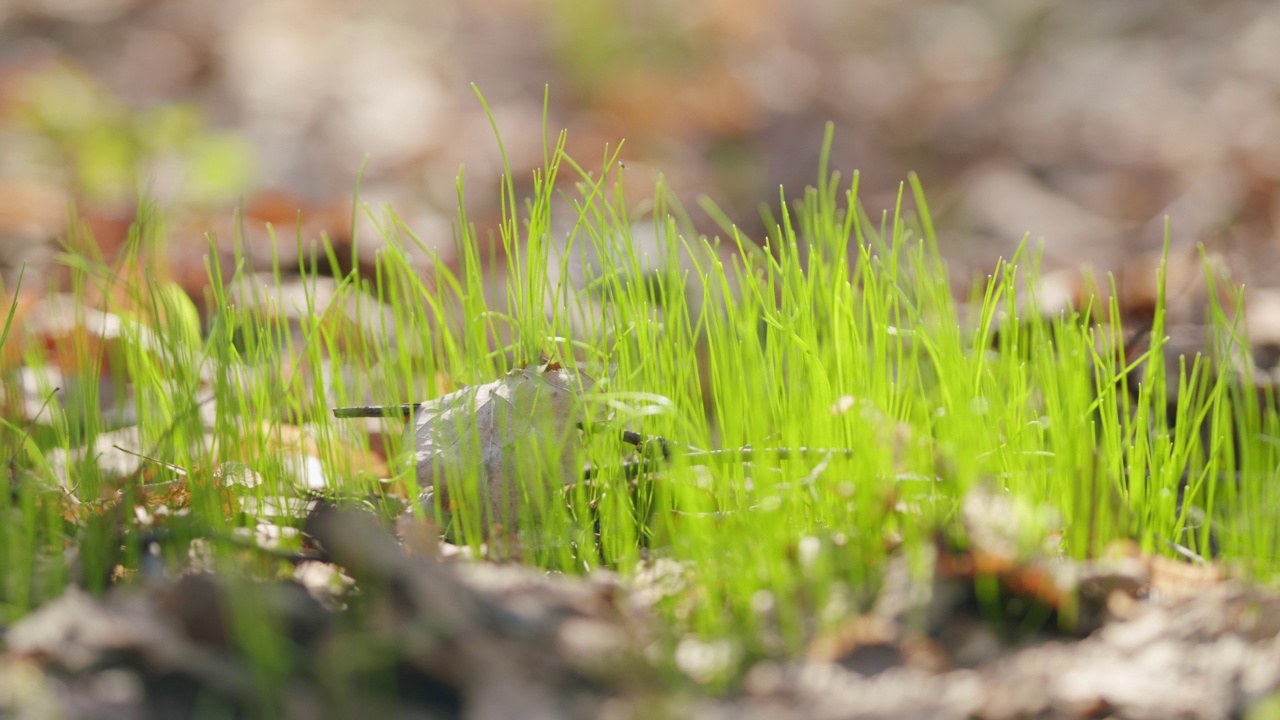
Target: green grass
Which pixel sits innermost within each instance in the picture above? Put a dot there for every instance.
(836, 332)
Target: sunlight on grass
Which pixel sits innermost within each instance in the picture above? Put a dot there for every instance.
(857, 401)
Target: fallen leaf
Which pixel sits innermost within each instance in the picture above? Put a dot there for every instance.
(303, 454)
(502, 433)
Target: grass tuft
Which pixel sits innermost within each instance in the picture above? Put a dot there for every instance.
(860, 400)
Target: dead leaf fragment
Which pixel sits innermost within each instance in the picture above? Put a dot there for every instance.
(503, 433)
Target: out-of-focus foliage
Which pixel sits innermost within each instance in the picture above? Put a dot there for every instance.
(108, 151)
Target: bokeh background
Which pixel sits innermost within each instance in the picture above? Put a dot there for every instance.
(1082, 123)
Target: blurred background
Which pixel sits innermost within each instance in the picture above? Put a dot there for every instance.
(1081, 123)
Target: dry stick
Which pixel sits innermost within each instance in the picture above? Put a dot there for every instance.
(635, 468)
(743, 454)
(630, 468)
(181, 471)
(1186, 552)
(376, 411)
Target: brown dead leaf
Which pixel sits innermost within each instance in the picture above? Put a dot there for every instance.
(1187, 291)
(1176, 578)
(867, 644)
(1137, 288)
(228, 481)
(75, 511)
(1025, 579)
(349, 461)
(75, 337)
(174, 495)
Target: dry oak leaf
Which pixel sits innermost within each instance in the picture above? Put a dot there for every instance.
(501, 446)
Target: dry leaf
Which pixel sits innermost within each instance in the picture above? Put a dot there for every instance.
(303, 453)
(504, 433)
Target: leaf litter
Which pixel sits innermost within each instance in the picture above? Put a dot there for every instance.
(1117, 636)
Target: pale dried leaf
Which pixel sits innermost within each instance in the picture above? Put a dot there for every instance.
(503, 433)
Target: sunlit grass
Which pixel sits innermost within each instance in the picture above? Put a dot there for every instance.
(833, 352)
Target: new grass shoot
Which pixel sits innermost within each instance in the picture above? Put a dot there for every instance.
(857, 399)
